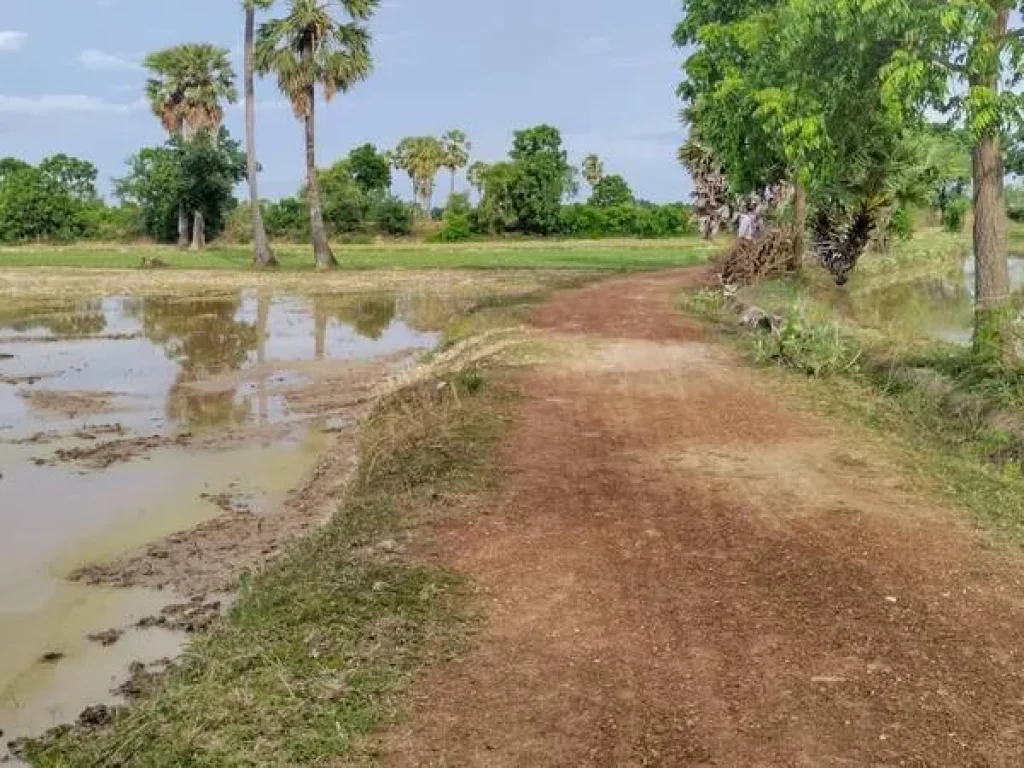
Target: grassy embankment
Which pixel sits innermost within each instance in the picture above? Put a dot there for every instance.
(314, 656)
(866, 357)
(511, 254)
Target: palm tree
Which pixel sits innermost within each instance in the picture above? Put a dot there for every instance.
(262, 255)
(593, 170)
(310, 48)
(456, 147)
(188, 85)
(475, 176)
(421, 157)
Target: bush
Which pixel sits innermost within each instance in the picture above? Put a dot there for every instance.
(817, 349)
(35, 207)
(395, 217)
(113, 223)
(954, 216)
(455, 227)
(639, 220)
(901, 224)
(287, 219)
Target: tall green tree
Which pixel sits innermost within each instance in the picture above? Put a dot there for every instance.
(76, 176)
(187, 90)
(962, 59)
(370, 169)
(202, 173)
(525, 194)
(456, 147)
(262, 255)
(593, 170)
(732, 60)
(309, 49)
(421, 157)
(612, 191)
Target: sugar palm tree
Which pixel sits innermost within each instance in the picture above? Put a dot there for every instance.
(187, 89)
(456, 147)
(421, 157)
(308, 48)
(475, 176)
(262, 255)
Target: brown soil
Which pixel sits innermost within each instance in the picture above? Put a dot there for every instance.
(681, 568)
(70, 404)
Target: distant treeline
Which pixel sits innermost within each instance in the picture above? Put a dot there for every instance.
(530, 193)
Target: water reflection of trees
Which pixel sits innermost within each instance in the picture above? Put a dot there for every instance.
(66, 318)
(369, 316)
(204, 338)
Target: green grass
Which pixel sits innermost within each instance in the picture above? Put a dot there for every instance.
(317, 650)
(955, 422)
(525, 254)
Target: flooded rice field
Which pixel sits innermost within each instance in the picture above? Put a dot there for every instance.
(936, 307)
(152, 449)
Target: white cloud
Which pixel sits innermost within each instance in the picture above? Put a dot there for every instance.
(12, 41)
(70, 103)
(101, 61)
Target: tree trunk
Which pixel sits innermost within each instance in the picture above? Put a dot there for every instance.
(262, 329)
(319, 329)
(321, 247)
(182, 226)
(451, 194)
(262, 255)
(993, 338)
(198, 232)
(799, 228)
(993, 321)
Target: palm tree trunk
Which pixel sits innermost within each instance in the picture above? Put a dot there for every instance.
(799, 228)
(451, 194)
(993, 336)
(322, 253)
(198, 232)
(182, 226)
(262, 256)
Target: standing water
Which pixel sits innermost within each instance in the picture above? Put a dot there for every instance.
(124, 420)
(936, 307)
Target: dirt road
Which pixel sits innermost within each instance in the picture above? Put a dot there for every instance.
(682, 568)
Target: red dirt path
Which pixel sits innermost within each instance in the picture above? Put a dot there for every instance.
(682, 569)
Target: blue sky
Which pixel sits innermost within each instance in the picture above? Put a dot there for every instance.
(603, 71)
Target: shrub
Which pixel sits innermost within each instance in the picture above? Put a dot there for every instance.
(455, 227)
(817, 349)
(954, 216)
(395, 218)
(901, 224)
(287, 218)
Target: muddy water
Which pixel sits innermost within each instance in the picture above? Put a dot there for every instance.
(937, 307)
(156, 382)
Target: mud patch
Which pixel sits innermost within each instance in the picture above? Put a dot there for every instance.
(69, 404)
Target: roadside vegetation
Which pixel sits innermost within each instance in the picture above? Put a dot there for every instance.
(865, 353)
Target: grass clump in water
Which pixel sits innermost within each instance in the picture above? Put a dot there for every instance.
(319, 646)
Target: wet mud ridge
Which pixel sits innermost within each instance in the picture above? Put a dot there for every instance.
(682, 568)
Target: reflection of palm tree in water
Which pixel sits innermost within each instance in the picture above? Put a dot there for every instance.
(203, 337)
(369, 316)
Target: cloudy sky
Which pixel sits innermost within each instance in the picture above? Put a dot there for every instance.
(603, 71)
